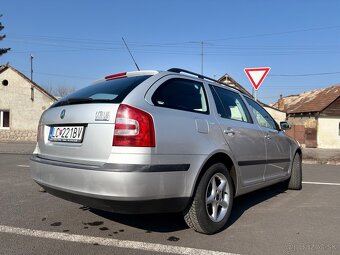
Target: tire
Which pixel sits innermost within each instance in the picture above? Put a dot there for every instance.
(212, 201)
(295, 180)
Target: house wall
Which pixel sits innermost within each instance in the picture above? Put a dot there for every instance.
(24, 113)
(307, 122)
(328, 132)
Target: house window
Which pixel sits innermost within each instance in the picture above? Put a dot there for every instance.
(32, 93)
(4, 119)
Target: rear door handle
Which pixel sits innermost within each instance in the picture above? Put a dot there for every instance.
(268, 137)
(229, 131)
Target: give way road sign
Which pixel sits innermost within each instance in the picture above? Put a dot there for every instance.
(256, 75)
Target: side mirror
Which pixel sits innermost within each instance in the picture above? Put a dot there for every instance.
(284, 125)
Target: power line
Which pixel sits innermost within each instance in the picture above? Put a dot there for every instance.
(193, 53)
(303, 75)
(184, 46)
(66, 76)
(277, 33)
(101, 41)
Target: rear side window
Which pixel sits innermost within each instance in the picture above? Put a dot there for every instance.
(262, 116)
(230, 105)
(181, 94)
(110, 91)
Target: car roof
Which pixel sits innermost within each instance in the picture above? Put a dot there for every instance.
(178, 71)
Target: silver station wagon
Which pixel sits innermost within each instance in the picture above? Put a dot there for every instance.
(155, 142)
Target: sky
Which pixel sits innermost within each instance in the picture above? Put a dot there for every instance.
(76, 42)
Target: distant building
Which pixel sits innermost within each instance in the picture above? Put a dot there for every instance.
(21, 104)
(277, 114)
(315, 116)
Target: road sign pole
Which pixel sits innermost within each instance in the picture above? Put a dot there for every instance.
(255, 95)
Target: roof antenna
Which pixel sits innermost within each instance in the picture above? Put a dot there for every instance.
(134, 61)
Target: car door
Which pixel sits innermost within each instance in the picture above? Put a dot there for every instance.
(277, 143)
(181, 116)
(245, 139)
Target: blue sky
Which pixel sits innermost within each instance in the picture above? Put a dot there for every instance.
(76, 42)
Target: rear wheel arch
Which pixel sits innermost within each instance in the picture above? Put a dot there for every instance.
(298, 150)
(222, 158)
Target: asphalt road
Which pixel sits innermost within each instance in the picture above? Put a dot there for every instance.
(269, 221)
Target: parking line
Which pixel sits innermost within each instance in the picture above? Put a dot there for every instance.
(159, 248)
(323, 183)
(26, 166)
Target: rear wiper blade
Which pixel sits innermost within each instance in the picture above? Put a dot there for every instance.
(73, 101)
(81, 100)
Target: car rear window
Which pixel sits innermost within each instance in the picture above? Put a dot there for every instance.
(109, 91)
(181, 94)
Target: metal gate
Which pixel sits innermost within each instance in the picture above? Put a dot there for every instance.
(297, 132)
(311, 138)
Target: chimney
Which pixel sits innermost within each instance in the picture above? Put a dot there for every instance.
(280, 104)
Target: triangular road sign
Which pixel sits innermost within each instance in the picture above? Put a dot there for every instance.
(256, 75)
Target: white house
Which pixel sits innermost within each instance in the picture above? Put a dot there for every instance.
(315, 116)
(21, 104)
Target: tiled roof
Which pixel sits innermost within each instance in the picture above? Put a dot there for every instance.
(311, 101)
(228, 80)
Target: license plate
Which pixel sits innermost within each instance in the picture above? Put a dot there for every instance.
(71, 134)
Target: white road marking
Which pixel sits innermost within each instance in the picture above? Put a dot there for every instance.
(153, 247)
(23, 166)
(323, 183)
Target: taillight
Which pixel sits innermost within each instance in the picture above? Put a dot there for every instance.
(133, 127)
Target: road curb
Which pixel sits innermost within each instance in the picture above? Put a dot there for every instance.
(15, 153)
(321, 162)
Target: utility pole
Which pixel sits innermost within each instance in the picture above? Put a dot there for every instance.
(31, 59)
(202, 43)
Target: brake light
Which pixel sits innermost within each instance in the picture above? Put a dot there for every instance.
(115, 76)
(133, 127)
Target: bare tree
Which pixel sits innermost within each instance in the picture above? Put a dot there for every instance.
(3, 50)
(63, 90)
(49, 88)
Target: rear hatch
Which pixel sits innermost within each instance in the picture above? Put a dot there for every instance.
(79, 128)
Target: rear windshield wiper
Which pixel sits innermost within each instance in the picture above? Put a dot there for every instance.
(81, 101)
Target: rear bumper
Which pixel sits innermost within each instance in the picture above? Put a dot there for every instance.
(110, 167)
(116, 187)
(126, 207)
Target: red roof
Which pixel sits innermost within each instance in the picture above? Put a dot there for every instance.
(312, 101)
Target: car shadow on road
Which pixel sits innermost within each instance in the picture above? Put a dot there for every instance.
(167, 223)
(161, 223)
(247, 201)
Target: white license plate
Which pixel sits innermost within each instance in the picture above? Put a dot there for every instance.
(72, 134)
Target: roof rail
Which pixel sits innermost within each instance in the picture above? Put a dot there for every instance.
(179, 70)
(200, 76)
